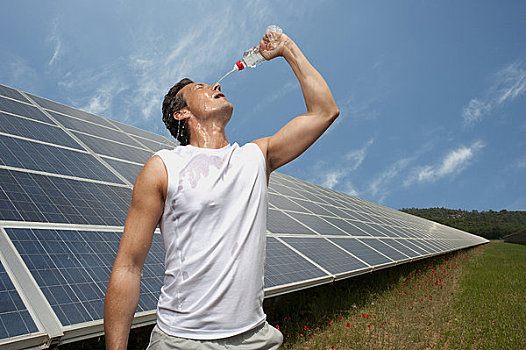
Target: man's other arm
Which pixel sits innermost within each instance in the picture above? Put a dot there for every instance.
(301, 132)
(122, 295)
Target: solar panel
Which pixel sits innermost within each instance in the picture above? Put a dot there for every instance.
(22, 109)
(94, 129)
(362, 251)
(16, 126)
(39, 198)
(326, 254)
(15, 319)
(114, 149)
(30, 155)
(285, 266)
(7, 91)
(72, 269)
(66, 179)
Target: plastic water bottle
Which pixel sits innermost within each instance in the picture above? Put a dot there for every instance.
(252, 57)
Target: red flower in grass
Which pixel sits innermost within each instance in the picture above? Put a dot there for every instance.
(339, 318)
(277, 327)
(330, 322)
(369, 326)
(364, 315)
(348, 325)
(327, 338)
(332, 347)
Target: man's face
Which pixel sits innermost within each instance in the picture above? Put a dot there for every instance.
(207, 101)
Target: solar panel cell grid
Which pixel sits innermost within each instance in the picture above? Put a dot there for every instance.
(368, 229)
(278, 222)
(317, 224)
(284, 266)
(142, 133)
(426, 247)
(313, 207)
(94, 129)
(326, 254)
(383, 230)
(410, 245)
(384, 247)
(284, 203)
(34, 156)
(128, 170)
(311, 197)
(35, 130)
(154, 146)
(344, 225)
(286, 191)
(6, 91)
(336, 211)
(67, 267)
(114, 149)
(361, 251)
(14, 316)
(32, 197)
(22, 109)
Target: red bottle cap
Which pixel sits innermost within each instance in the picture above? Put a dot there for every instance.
(240, 65)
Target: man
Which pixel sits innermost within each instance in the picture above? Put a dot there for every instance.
(209, 198)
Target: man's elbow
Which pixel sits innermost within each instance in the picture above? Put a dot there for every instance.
(332, 113)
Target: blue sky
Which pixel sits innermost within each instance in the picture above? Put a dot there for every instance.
(432, 94)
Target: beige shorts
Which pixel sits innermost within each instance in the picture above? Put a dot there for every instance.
(262, 337)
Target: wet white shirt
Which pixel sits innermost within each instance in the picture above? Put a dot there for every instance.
(213, 227)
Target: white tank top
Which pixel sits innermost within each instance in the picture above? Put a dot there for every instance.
(214, 231)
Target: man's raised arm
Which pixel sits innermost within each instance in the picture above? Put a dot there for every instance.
(301, 132)
(122, 295)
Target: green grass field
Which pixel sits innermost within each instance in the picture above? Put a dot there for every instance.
(490, 305)
(472, 299)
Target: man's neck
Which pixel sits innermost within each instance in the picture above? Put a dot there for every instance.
(208, 135)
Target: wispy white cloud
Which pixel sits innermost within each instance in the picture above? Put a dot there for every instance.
(332, 176)
(18, 73)
(101, 102)
(475, 110)
(380, 186)
(521, 163)
(355, 158)
(54, 39)
(508, 84)
(452, 164)
(390, 179)
(511, 82)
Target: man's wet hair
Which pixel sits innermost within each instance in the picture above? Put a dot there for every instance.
(172, 103)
